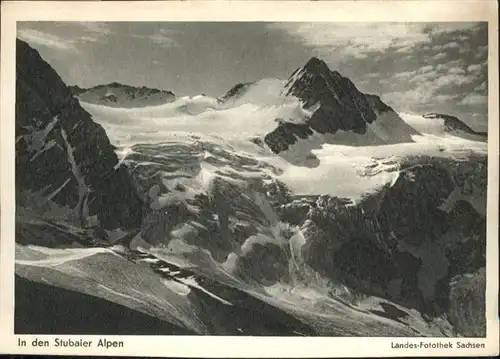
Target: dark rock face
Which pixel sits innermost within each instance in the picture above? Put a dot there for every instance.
(467, 300)
(236, 91)
(411, 205)
(64, 156)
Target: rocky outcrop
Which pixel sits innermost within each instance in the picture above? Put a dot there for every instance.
(286, 134)
(119, 95)
(65, 164)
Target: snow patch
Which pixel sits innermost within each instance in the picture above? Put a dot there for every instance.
(176, 287)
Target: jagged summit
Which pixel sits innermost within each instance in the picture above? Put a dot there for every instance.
(338, 97)
(339, 104)
(315, 73)
(337, 107)
(316, 65)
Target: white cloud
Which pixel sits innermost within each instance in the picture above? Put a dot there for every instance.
(418, 97)
(465, 49)
(89, 39)
(86, 32)
(424, 77)
(358, 39)
(426, 87)
(440, 56)
(406, 100)
(454, 80)
(427, 68)
(448, 46)
(445, 66)
(355, 39)
(474, 99)
(443, 28)
(95, 27)
(482, 50)
(435, 79)
(442, 67)
(45, 39)
(474, 68)
(443, 98)
(405, 74)
(481, 87)
(456, 71)
(164, 38)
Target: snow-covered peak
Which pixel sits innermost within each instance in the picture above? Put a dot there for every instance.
(441, 125)
(315, 76)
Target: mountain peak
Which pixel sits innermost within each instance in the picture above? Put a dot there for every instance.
(316, 65)
(314, 61)
(316, 73)
(338, 104)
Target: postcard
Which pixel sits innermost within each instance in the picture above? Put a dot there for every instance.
(249, 179)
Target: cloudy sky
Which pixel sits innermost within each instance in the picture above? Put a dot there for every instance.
(414, 67)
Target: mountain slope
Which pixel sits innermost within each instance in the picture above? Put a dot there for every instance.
(65, 164)
(342, 114)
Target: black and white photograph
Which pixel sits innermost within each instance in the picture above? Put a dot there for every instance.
(251, 178)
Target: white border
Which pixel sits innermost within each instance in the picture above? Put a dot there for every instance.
(208, 346)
